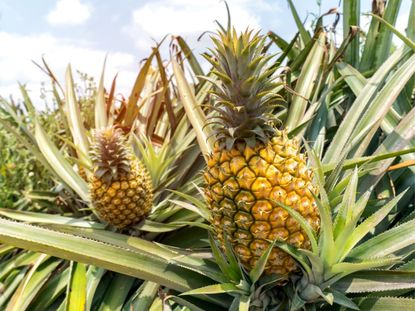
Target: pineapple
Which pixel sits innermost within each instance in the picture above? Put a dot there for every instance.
(82, 173)
(253, 165)
(121, 188)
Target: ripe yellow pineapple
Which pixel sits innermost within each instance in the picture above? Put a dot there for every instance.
(253, 165)
(121, 188)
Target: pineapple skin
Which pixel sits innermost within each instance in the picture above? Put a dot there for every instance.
(243, 186)
(126, 200)
(82, 173)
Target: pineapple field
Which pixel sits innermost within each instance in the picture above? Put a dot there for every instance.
(264, 173)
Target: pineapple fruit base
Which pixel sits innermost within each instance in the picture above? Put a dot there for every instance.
(244, 185)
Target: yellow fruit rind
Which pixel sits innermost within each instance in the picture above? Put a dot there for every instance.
(125, 201)
(243, 186)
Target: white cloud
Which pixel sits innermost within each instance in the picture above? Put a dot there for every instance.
(69, 12)
(184, 17)
(189, 18)
(16, 63)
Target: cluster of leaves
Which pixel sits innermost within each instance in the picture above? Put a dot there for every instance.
(23, 179)
(20, 172)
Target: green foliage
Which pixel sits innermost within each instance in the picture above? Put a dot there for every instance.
(348, 101)
(20, 172)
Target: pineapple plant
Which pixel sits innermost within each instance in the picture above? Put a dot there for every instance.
(359, 128)
(254, 166)
(84, 177)
(121, 187)
(353, 255)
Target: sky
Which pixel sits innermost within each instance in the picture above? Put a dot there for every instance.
(83, 32)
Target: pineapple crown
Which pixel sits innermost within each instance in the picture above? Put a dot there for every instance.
(110, 154)
(244, 88)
